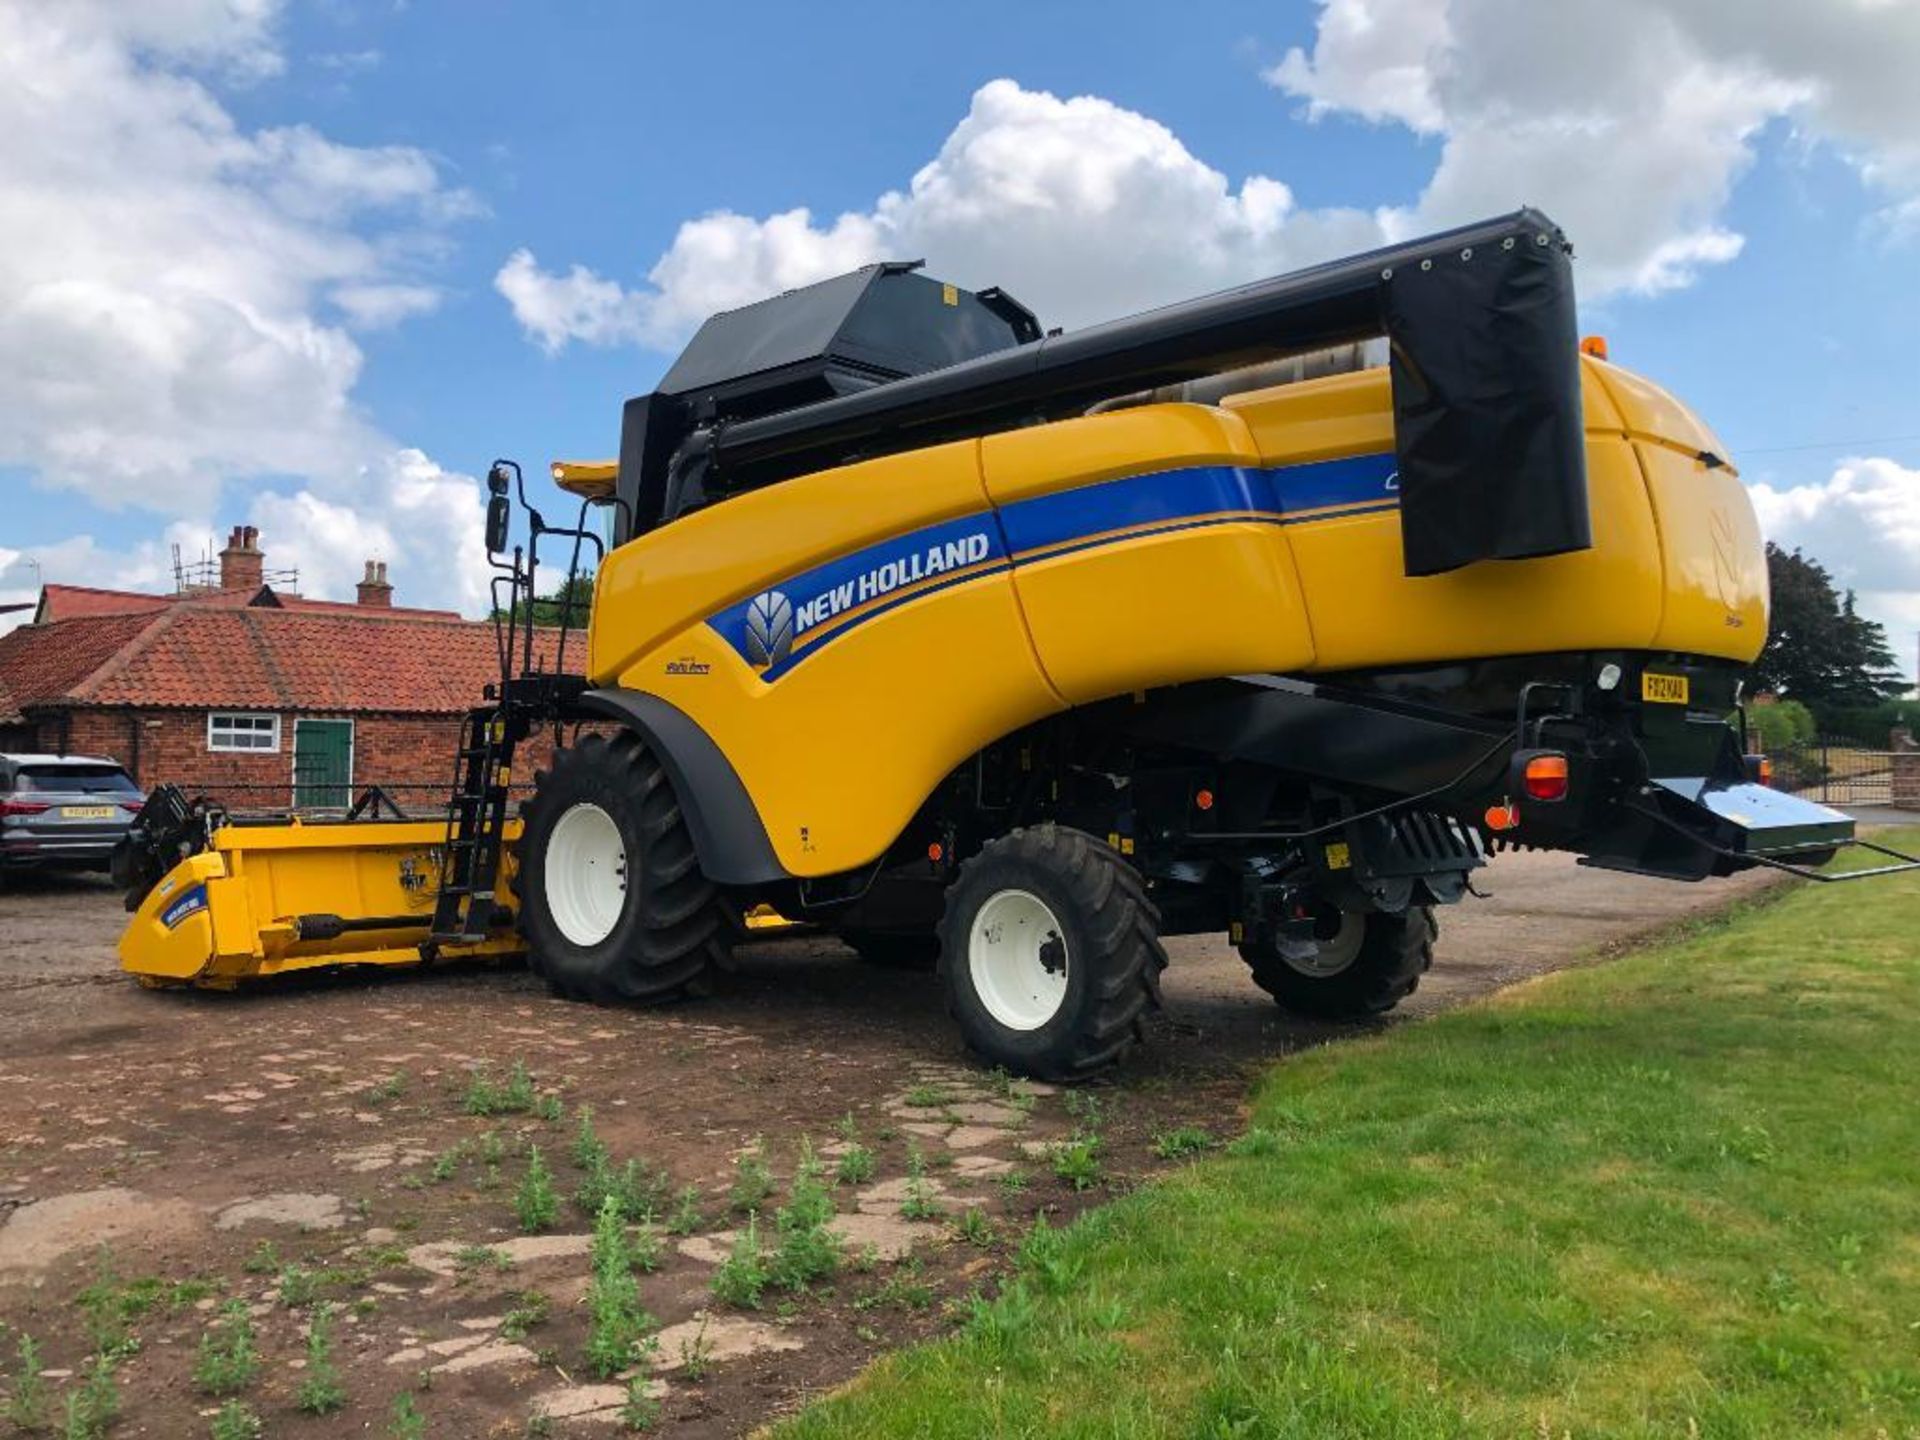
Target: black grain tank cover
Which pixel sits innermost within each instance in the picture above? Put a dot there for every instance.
(838, 337)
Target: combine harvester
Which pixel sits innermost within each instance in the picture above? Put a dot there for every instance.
(1018, 652)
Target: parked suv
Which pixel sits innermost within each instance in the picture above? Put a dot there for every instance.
(63, 810)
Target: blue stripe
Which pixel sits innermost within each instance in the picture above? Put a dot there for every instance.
(991, 542)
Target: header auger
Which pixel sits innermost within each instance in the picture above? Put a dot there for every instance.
(1011, 653)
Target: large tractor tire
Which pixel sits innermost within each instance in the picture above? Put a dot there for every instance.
(1364, 964)
(612, 899)
(1050, 953)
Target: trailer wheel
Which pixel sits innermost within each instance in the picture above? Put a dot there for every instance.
(1365, 964)
(613, 901)
(1050, 953)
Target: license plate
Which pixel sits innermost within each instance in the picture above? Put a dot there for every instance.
(1663, 689)
(86, 812)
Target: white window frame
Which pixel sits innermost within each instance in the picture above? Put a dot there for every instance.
(217, 745)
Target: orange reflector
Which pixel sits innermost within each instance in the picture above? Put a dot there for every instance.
(1546, 777)
(936, 852)
(1594, 345)
(1502, 817)
(1203, 799)
(1766, 770)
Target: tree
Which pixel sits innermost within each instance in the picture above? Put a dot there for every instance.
(1820, 651)
(548, 609)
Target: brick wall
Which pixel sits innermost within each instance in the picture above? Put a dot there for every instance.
(411, 755)
(1906, 780)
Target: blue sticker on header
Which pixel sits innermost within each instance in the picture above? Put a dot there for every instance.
(191, 903)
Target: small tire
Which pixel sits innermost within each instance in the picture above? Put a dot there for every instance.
(1389, 954)
(613, 902)
(894, 949)
(1050, 953)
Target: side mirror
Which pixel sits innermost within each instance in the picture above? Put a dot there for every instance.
(499, 513)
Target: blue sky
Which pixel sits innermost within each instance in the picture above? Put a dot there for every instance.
(362, 175)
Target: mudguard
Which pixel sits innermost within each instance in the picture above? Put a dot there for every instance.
(728, 834)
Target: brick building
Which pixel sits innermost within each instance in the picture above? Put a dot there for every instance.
(262, 699)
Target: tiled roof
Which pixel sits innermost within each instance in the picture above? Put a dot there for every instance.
(73, 602)
(39, 663)
(198, 656)
(336, 607)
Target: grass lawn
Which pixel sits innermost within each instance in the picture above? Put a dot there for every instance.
(1675, 1195)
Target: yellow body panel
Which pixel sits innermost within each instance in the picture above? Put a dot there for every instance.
(848, 637)
(227, 914)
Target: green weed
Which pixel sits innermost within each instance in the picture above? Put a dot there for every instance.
(617, 1325)
(752, 1179)
(26, 1407)
(685, 1219)
(856, 1166)
(404, 1421)
(534, 1204)
(1179, 1143)
(322, 1391)
(235, 1421)
(530, 1310)
(229, 1359)
(742, 1277)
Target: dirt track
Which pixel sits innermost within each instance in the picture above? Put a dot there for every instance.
(157, 1114)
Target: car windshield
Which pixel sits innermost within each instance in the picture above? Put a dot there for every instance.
(76, 779)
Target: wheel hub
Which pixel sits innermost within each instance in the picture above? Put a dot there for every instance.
(1335, 945)
(585, 872)
(1017, 958)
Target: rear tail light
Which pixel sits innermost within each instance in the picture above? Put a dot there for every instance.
(1760, 768)
(24, 807)
(1540, 775)
(1546, 777)
(133, 807)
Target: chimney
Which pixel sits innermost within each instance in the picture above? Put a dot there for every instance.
(242, 566)
(374, 589)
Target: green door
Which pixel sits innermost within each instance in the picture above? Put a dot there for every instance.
(322, 764)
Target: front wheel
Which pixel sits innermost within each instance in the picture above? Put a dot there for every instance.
(1358, 963)
(613, 901)
(1050, 953)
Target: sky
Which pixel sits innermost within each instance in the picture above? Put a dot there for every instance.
(311, 265)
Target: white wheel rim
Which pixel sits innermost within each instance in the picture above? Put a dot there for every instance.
(586, 874)
(1014, 940)
(1323, 959)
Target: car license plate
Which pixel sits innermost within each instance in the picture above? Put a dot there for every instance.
(86, 812)
(1663, 689)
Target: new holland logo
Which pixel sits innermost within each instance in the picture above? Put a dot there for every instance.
(769, 629)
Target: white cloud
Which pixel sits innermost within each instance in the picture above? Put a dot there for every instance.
(1863, 523)
(1629, 121)
(1082, 208)
(178, 292)
(375, 307)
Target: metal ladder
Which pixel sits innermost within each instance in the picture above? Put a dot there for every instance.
(476, 811)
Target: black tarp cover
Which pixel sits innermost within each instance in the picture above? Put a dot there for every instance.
(1486, 401)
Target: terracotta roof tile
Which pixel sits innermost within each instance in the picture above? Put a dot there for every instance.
(39, 663)
(197, 655)
(73, 602)
(294, 660)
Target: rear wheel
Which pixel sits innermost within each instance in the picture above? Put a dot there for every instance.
(613, 901)
(1050, 952)
(1358, 963)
